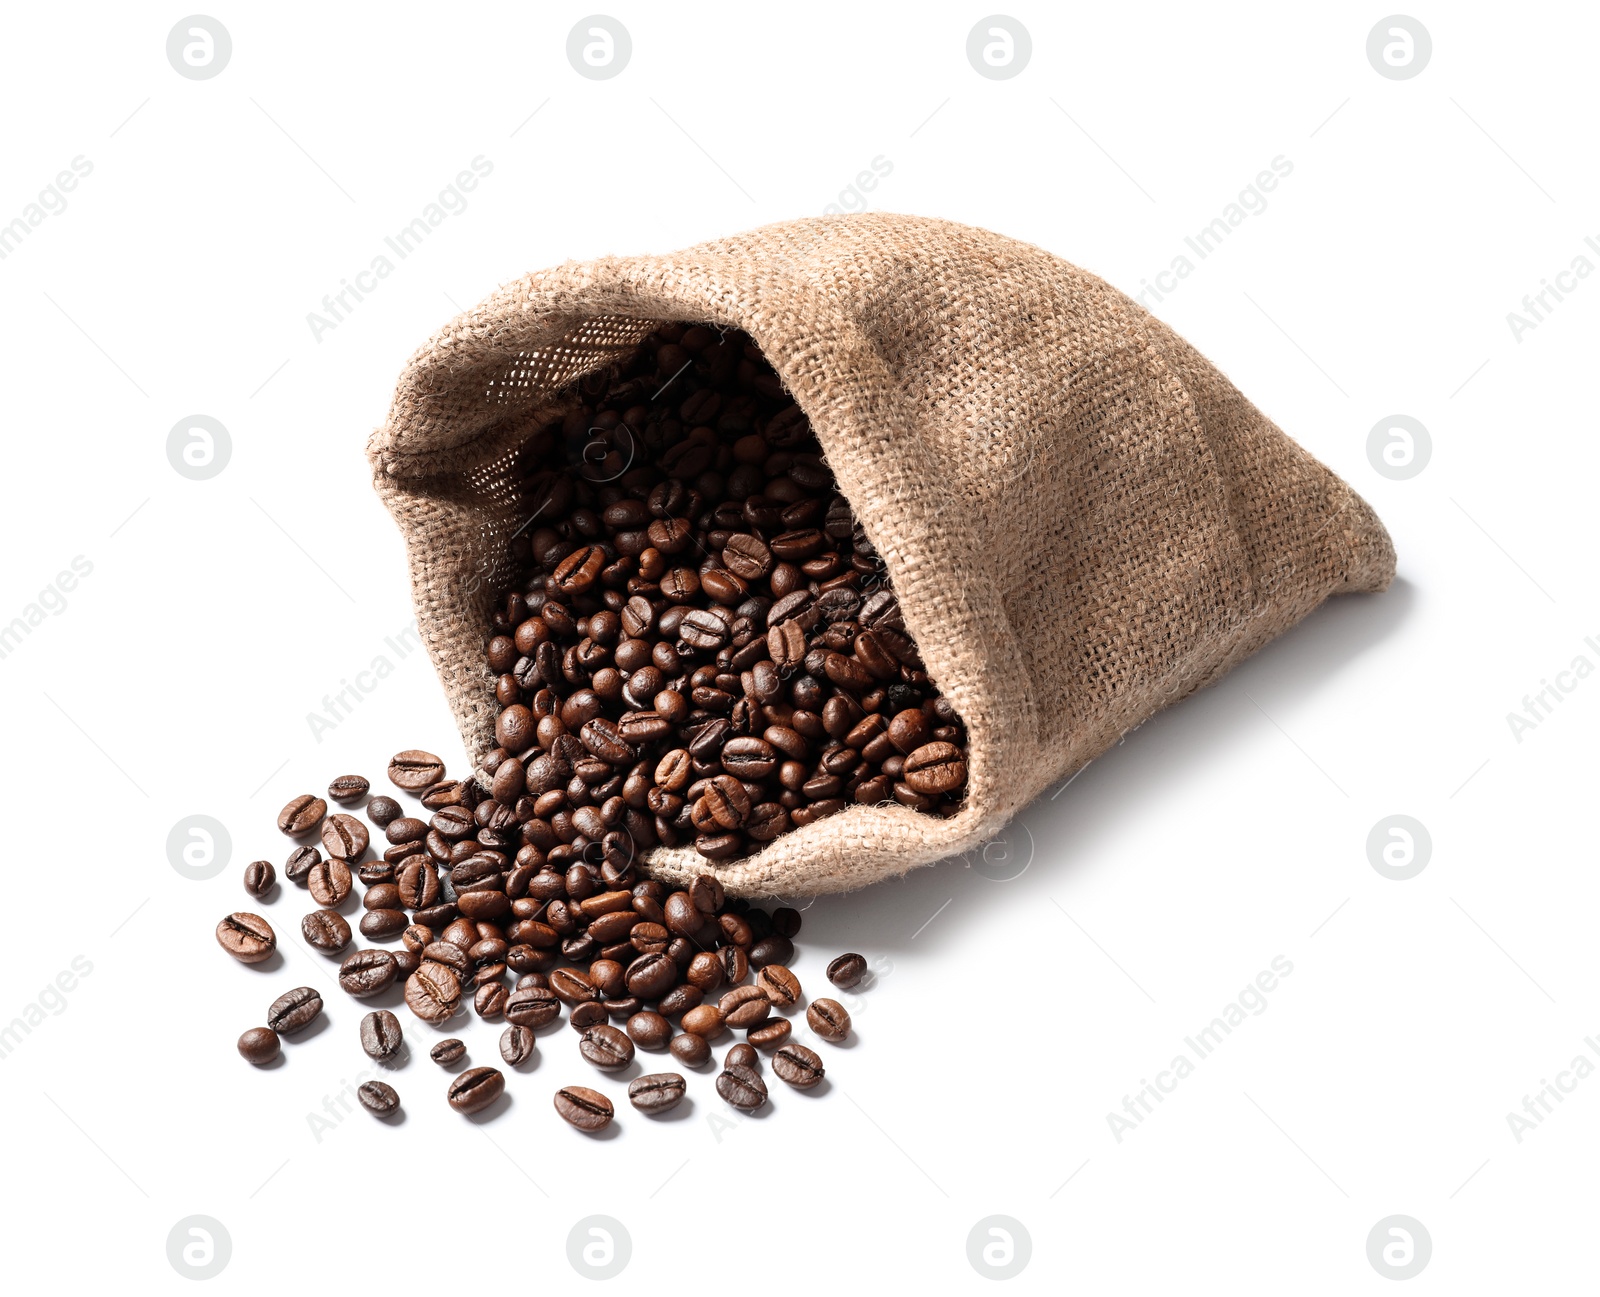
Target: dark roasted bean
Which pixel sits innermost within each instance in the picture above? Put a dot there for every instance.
(476, 1088)
(828, 1019)
(798, 1066)
(294, 1010)
(742, 1088)
(584, 1108)
(367, 972)
(448, 1052)
(259, 1045)
(259, 876)
(378, 1098)
(326, 930)
(381, 1036)
(347, 789)
(247, 937)
(847, 971)
(657, 1092)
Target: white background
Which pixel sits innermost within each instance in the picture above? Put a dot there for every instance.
(1012, 1017)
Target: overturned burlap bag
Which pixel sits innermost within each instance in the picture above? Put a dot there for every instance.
(1083, 519)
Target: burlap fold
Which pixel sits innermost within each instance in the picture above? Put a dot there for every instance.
(1083, 519)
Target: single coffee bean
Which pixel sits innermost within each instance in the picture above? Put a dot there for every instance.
(294, 1010)
(935, 768)
(658, 1092)
(690, 1048)
(706, 894)
(798, 1066)
(516, 1045)
(299, 865)
(786, 922)
(247, 937)
(383, 811)
(847, 971)
(744, 1055)
(779, 985)
(406, 962)
(735, 964)
(476, 1088)
(414, 770)
(301, 814)
(433, 992)
(382, 925)
(259, 876)
(329, 882)
(651, 976)
(573, 987)
(745, 1006)
(367, 972)
(742, 1088)
(326, 930)
(381, 1037)
(587, 1109)
(490, 1000)
(828, 1019)
(344, 837)
(607, 1048)
(772, 1032)
(259, 1045)
(347, 789)
(447, 1052)
(378, 1098)
(587, 1014)
(706, 1021)
(771, 950)
(532, 1006)
(649, 1030)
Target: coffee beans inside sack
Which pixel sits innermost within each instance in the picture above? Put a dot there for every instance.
(812, 555)
(706, 649)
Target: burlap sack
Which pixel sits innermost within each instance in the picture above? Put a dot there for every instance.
(1082, 517)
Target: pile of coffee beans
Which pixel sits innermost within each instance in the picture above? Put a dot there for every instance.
(487, 918)
(705, 647)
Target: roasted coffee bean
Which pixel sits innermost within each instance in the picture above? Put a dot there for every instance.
(649, 1030)
(532, 1006)
(774, 1031)
(847, 971)
(586, 1015)
(490, 1001)
(706, 1020)
(326, 930)
(344, 837)
(690, 1049)
(572, 987)
(798, 1066)
(651, 976)
(381, 925)
(294, 1010)
(382, 811)
(367, 972)
(587, 1109)
(259, 1045)
(476, 1088)
(448, 1052)
(433, 992)
(414, 770)
(771, 950)
(607, 1048)
(744, 1055)
(330, 882)
(406, 962)
(735, 964)
(381, 1036)
(259, 876)
(301, 814)
(786, 922)
(935, 768)
(300, 863)
(516, 1045)
(746, 1006)
(781, 987)
(679, 1000)
(828, 1019)
(742, 1088)
(378, 1098)
(658, 1092)
(347, 789)
(247, 937)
